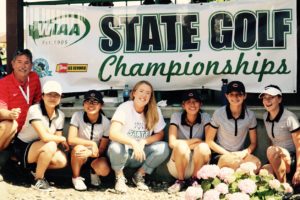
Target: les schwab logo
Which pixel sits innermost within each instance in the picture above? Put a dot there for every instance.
(66, 67)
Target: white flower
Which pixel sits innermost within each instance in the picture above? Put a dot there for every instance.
(247, 186)
(237, 196)
(274, 184)
(248, 167)
(263, 172)
(208, 171)
(287, 188)
(193, 193)
(225, 172)
(222, 188)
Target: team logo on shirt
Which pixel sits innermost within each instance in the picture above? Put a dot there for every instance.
(41, 67)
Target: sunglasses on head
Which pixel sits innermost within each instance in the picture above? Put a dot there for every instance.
(26, 52)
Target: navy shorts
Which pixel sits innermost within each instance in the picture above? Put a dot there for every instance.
(20, 150)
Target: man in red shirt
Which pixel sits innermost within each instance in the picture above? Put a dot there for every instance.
(18, 91)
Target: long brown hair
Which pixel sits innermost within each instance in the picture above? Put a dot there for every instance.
(150, 110)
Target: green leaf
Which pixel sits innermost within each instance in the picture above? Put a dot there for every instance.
(206, 185)
(216, 181)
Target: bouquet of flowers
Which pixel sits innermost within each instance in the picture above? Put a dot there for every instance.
(242, 184)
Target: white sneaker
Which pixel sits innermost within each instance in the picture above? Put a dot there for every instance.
(78, 183)
(95, 180)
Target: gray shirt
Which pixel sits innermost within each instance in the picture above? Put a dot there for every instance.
(90, 131)
(280, 129)
(232, 133)
(185, 131)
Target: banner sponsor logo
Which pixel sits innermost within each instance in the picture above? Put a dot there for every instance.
(66, 67)
(64, 30)
(41, 67)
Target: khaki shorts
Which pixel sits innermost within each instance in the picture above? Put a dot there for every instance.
(188, 171)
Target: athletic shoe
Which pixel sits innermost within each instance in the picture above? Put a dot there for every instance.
(79, 184)
(42, 184)
(95, 180)
(176, 187)
(139, 181)
(121, 186)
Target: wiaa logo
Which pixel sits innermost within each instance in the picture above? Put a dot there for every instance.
(64, 30)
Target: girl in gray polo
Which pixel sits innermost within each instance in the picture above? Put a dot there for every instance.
(229, 128)
(88, 135)
(186, 138)
(283, 129)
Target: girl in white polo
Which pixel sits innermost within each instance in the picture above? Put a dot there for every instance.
(283, 129)
(186, 138)
(38, 139)
(88, 134)
(229, 127)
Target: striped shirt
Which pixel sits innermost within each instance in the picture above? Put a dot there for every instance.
(12, 97)
(280, 129)
(232, 133)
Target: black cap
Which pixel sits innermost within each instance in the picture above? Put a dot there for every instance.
(93, 94)
(235, 86)
(189, 94)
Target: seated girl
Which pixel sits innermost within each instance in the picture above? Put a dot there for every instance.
(37, 142)
(88, 135)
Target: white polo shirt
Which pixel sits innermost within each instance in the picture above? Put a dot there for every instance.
(90, 131)
(185, 131)
(232, 133)
(35, 112)
(134, 123)
(280, 129)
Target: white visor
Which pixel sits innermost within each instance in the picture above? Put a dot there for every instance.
(270, 91)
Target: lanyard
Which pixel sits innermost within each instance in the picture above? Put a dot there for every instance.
(26, 96)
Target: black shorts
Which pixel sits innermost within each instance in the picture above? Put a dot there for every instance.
(20, 150)
(293, 165)
(215, 158)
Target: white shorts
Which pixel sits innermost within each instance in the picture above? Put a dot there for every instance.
(188, 171)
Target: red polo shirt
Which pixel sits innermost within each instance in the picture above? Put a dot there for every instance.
(12, 97)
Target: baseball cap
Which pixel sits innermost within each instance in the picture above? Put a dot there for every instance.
(93, 94)
(52, 86)
(235, 86)
(191, 94)
(272, 90)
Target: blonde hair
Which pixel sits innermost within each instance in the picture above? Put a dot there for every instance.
(150, 110)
